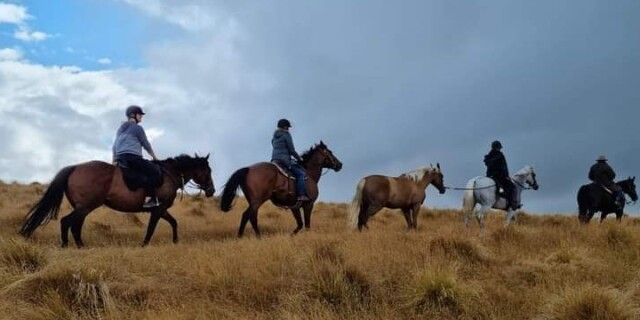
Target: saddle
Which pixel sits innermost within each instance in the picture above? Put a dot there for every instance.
(283, 170)
(136, 180)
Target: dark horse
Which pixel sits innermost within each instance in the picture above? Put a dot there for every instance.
(91, 184)
(593, 198)
(263, 181)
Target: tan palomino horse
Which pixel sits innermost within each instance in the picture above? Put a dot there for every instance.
(406, 192)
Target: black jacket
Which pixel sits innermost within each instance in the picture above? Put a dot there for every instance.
(496, 164)
(601, 173)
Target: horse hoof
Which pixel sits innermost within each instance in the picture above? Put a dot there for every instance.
(64, 245)
(175, 241)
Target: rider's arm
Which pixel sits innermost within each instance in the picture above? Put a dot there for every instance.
(292, 150)
(142, 137)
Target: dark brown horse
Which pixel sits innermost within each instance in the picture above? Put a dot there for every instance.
(406, 192)
(263, 181)
(89, 185)
(593, 198)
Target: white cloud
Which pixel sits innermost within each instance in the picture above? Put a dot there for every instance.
(191, 17)
(10, 54)
(104, 61)
(11, 13)
(24, 34)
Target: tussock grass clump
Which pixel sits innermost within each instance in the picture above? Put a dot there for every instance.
(454, 248)
(81, 291)
(618, 238)
(590, 302)
(340, 286)
(19, 255)
(507, 235)
(436, 290)
(564, 255)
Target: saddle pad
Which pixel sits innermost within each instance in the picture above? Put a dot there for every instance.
(136, 180)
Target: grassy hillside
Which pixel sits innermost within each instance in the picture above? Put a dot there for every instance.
(542, 267)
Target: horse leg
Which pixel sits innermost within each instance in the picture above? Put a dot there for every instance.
(151, 228)
(65, 224)
(76, 227)
(174, 224)
(253, 218)
(480, 215)
(298, 216)
(509, 217)
(308, 209)
(619, 214)
(243, 221)
(414, 214)
(603, 216)
(406, 212)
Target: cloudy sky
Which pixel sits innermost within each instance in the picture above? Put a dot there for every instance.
(390, 86)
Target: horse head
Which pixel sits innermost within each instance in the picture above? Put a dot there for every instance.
(322, 155)
(437, 179)
(629, 187)
(529, 176)
(197, 169)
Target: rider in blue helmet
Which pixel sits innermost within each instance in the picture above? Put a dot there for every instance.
(283, 151)
(127, 148)
(497, 170)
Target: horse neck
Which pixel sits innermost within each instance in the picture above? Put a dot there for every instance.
(425, 181)
(520, 180)
(314, 169)
(178, 177)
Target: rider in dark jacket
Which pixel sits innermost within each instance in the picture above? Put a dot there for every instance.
(498, 171)
(283, 151)
(602, 174)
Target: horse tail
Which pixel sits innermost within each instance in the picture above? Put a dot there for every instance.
(49, 205)
(354, 211)
(468, 199)
(237, 179)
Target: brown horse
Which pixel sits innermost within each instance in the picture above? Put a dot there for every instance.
(406, 192)
(263, 181)
(89, 185)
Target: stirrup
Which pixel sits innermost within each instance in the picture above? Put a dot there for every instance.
(151, 203)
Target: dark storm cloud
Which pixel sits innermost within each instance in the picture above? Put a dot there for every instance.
(392, 86)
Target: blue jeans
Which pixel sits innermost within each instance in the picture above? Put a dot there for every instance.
(298, 171)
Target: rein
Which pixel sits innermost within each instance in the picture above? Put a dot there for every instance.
(456, 188)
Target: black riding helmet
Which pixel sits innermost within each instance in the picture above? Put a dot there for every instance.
(284, 123)
(132, 111)
(496, 145)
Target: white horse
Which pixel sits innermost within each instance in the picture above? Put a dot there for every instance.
(482, 190)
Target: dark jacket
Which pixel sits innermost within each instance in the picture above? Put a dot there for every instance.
(283, 148)
(601, 173)
(496, 164)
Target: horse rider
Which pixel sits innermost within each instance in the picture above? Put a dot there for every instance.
(127, 148)
(602, 174)
(498, 171)
(283, 152)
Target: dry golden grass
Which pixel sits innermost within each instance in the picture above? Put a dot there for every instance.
(542, 267)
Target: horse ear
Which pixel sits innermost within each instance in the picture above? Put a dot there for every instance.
(634, 178)
(438, 165)
(322, 143)
(196, 154)
(207, 157)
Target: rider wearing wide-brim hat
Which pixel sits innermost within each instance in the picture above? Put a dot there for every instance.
(127, 148)
(602, 174)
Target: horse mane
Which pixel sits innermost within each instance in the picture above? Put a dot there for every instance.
(416, 175)
(306, 156)
(524, 171)
(185, 162)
